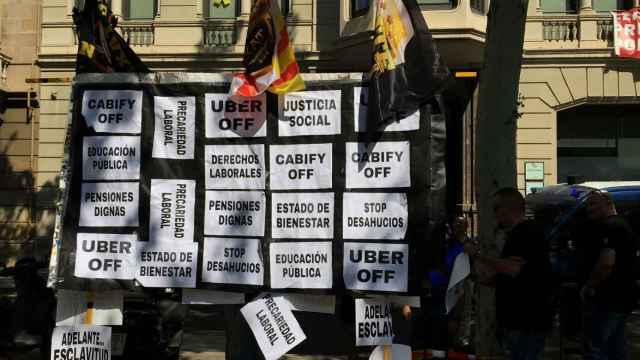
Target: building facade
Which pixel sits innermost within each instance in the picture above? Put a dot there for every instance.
(570, 78)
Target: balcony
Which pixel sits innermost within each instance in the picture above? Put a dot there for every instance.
(219, 34)
(138, 34)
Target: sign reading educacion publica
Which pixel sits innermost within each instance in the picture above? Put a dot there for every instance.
(177, 184)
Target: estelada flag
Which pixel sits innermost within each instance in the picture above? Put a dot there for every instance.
(627, 33)
(269, 59)
(407, 69)
(100, 48)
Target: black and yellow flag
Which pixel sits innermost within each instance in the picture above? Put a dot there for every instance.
(407, 69)
(100, 48)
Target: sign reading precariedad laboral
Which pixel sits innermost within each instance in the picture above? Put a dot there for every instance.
(373, 322)
(172, 210)
(81, 342)
(173, 183)
(275, 328)
(175, 130)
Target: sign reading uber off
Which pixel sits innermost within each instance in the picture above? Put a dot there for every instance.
(178, 184)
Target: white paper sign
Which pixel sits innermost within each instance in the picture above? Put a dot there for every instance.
(167, 264)
(113, 111)
(175, 127)
(72, 306)
(381, 216)
(105, 256)
(395, 352)
(234, 167)
(226, 118)
(374, 325)
(234, 213)
(109, 204)
(275, 328)
(303, 265)
(311, 113)
(376, 267)
(81, 342)
(232, 261)
(302, 215)
(384, 166)
(111, 158)
(172, 206)
(211, 297)
(298, 167)
(360, 100)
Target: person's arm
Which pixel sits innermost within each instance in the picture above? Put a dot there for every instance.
(602, 270)
(510, 266)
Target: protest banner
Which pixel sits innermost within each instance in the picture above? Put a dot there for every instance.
(283, 192)
(374, 325)
(626, 26)
(275, 328)
(81, 342)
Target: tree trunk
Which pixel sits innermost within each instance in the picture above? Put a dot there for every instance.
(496, 141)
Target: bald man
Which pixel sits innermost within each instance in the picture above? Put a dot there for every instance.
(608, 292)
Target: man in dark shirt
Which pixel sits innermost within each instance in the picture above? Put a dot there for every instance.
(608, 290)
(522, 278)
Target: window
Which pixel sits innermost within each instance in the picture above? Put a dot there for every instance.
(359, 7)
(285, 7)
(223, 9)
(478, 5)
(559, 6)
(607, 5)
(139, 9)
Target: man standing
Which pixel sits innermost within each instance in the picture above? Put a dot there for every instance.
(522, 278)
(608, 290)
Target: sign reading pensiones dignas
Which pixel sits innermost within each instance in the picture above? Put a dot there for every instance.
(173, 183)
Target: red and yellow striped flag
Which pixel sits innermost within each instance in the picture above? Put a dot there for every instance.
(269, 59)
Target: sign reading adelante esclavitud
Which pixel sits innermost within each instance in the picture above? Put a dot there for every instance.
(173, 183)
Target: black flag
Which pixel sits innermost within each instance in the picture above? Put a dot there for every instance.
(100, 48)
(407, 69)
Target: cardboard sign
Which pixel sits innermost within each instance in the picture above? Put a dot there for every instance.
(88, 307)
(232, 261)
(113, 111)
(105, 256)
(175, 131)
(381, 216)
(234, 167)
(172, 210)
(234, 213)
(299, 167)
(303, 265)
(311, 113)
(81, 342)
(360, 106)
(302, 215)
(384, 166)
(374, 325)
(227, 118)
(109, 204)
(273, 325)
(376, 267)
(167, 264)
(111, 158)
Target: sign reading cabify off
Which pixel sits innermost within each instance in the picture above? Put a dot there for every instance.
(172, 183)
